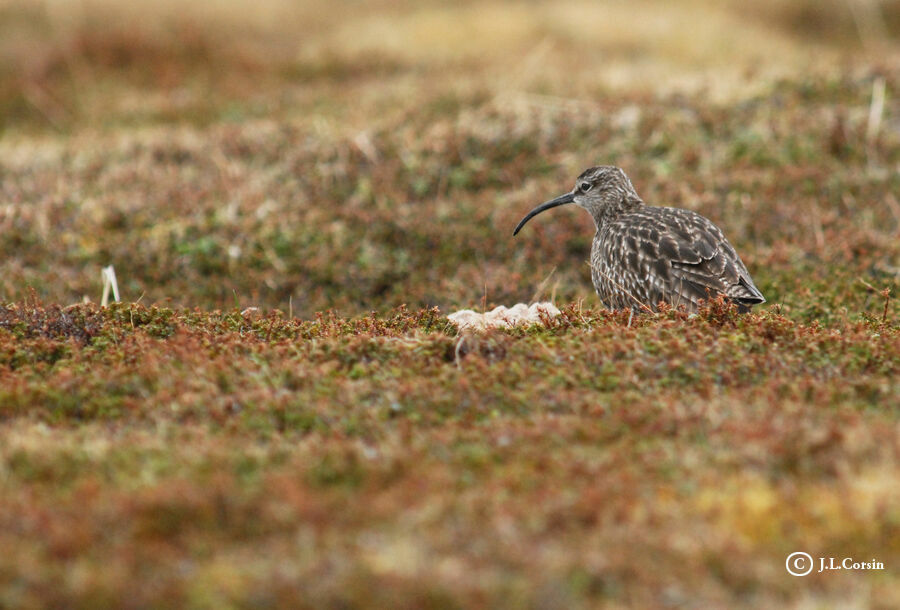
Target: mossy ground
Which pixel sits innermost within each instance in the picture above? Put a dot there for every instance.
(343, 445)
(154, 456)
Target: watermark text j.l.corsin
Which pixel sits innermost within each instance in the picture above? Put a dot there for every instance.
(801, 564)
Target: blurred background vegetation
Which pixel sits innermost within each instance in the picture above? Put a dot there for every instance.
(67, 64)
(309, 155)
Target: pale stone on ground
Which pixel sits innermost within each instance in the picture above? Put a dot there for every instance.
(503, 317)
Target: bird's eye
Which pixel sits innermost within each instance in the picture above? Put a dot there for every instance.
(585, 187)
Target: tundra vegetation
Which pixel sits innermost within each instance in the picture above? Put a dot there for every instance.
(279, 413)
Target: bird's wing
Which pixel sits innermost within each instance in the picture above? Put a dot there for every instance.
(683, 258)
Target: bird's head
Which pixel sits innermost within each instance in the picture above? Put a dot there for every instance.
(598, 190)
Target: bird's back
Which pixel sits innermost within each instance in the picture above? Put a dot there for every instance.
(652, 254)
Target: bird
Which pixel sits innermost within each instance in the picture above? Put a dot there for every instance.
(644, 255)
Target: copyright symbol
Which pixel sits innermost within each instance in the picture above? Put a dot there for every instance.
(799, 563)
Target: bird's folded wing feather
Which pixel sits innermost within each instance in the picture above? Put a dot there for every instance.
(686, 258)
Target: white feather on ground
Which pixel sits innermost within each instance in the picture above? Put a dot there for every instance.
(503, 317)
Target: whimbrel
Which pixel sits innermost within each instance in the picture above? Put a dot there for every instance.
(643, 255)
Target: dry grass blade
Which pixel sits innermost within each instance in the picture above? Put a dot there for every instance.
(108, 277)
(876, 109)
(624, 291)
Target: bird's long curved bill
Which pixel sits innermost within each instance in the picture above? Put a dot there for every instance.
(561, 200)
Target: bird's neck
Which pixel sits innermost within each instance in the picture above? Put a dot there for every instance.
(612, 210)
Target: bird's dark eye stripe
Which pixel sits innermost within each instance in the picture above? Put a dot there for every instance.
(585, 187)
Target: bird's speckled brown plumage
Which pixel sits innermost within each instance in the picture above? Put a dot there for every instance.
(643, 255)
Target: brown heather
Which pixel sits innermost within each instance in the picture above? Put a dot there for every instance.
(354, 174)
